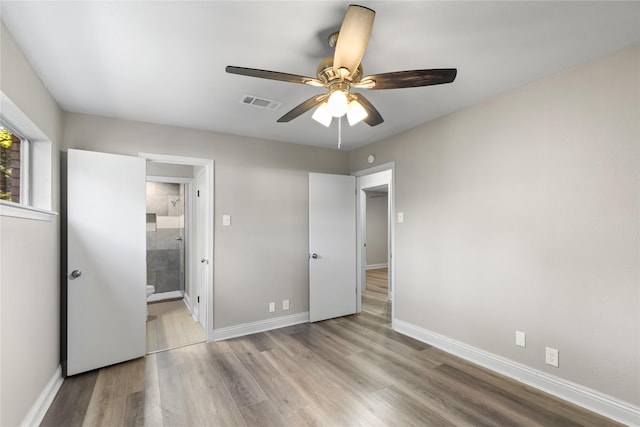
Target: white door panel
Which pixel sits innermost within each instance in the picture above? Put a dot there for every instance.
(201, 245)
(332, 246)
(106, 243)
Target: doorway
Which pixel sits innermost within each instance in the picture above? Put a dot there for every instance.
(167, 221)
(376, 183)
(195, 297)
(170, 319)
(376, 297)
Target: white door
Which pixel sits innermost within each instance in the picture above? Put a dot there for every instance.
(332, 246)
(201, 247)
(106, 264)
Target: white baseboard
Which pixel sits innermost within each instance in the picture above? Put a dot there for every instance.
(583, 396)
(165, 296)
(260, 326)
(187, 302)
(39, 409)
(375, 266)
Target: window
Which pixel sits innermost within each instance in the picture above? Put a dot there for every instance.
(10, 164)
(25, 166)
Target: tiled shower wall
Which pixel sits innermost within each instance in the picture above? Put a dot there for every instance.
(165, 224)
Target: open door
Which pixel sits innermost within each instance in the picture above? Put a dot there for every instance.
(201, 247)
(332, 246)
(106, 260)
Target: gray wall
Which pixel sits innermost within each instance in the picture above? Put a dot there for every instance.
(29, 261)
(523, 214)
(377, 224)
(262, 184)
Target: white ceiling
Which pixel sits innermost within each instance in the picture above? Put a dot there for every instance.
(164, 62)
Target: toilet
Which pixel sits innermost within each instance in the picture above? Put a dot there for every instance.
(150, 290)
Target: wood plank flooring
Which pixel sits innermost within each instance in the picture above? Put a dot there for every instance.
(170, 325)
(375, 299)
(350, 371)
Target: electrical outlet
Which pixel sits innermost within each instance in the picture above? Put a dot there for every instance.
(521, 339)
(272, 307)
(551, 356)
(285, 304)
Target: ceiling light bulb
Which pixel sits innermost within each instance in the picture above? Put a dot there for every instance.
(337, 103)
(355, 113)
(322, 115)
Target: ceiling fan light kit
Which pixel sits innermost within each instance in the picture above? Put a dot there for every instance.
(355, 113)
(343, 72)
(337, 103)
(322, 115)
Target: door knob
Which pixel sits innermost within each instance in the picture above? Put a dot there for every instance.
(75, 274)
(314, 256)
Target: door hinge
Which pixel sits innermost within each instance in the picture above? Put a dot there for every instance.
(198, 299)
(198, 195)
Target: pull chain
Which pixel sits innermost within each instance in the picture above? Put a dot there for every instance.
(339, 132)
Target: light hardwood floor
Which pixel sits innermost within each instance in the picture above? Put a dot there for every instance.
(170, 325)
(350, 371)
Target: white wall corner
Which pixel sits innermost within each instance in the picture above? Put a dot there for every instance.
(259, 326)
(39, 409)
(590, 399)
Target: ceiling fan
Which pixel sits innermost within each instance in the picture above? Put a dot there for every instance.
(343, 72)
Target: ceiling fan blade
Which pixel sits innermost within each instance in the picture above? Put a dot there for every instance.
(307, 105)
(353, 38)
(374, 118)
(404, 79)
(274, 75)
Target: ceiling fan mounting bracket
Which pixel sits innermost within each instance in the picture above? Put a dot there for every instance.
(333, 39)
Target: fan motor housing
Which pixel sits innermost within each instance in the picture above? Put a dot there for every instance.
(327, 74)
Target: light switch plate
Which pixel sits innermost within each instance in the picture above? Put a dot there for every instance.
(521, 339)
(400, 217)
(226, 220)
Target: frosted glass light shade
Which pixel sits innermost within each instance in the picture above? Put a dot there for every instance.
(322, 115)
(337, 103)
(355, 113)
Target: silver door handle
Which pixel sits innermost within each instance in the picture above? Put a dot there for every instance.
(75, 274)
(314, 256)
(203, 260)
(179, 238)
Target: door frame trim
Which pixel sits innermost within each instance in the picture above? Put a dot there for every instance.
(209, 166)
(361, 217)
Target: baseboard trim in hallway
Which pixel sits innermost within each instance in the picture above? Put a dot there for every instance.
(575, 393)
(39, 409)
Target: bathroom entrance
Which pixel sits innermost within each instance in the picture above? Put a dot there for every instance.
(166, 240)
(171, 321)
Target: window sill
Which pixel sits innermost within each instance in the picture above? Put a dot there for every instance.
(27, 212)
